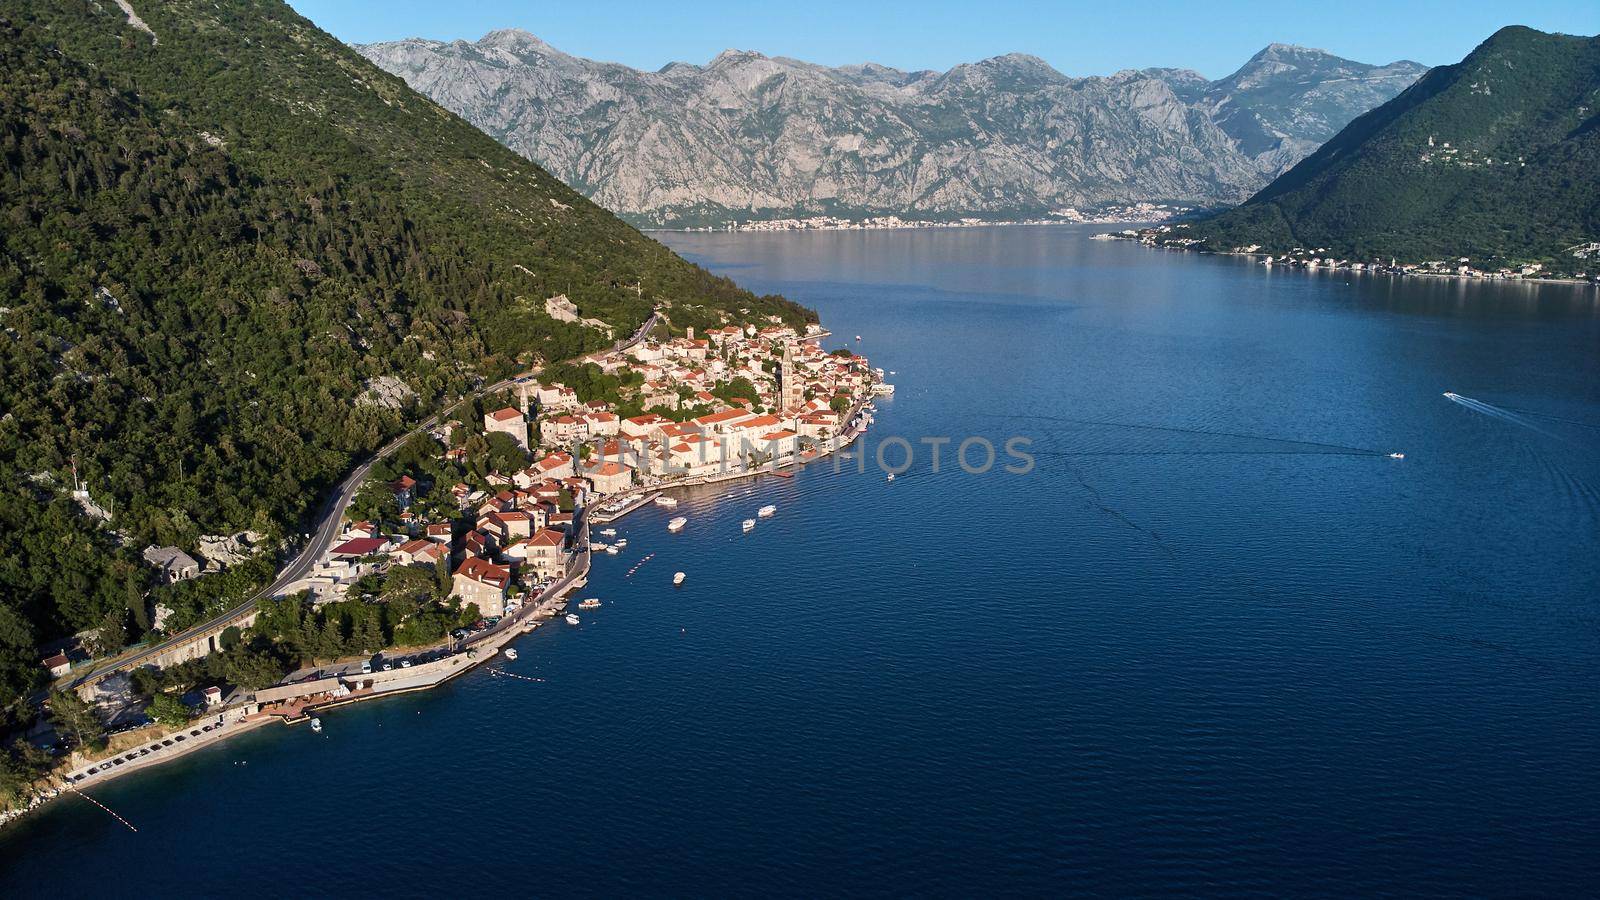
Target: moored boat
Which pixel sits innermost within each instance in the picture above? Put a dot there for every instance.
(511, 653)
(677, 524)
(668, 502)
(589, 603)
(316, 724)
(678, 577)
(572, 619)
(766, 512)
(748, 524)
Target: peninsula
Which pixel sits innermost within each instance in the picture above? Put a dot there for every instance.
(473, 532)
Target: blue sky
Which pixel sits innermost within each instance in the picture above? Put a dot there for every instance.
(1078, 38)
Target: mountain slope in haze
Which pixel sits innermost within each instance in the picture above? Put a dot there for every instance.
(218, 224)
(1287, 100)
(751, 137)
(1496, 158)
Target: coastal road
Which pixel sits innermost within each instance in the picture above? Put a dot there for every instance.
(327, 529)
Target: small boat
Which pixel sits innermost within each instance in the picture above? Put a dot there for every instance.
(1397, 456)
(608, 532)
(782, 474)
(572, 619)
(598, 547)
(511, 653)
(612, 550)
(677, 524)
(316, 724)
(766, 512)
(891, 476)
(621, 543)
(678, 577)
(668, 502)
(589, 603)
(530, 625)
(748, 524)
(858, 337)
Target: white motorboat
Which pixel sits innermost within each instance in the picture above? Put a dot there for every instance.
(677, 524)
(678, 577)
(572, 619)
(531, 625)
(598, 547)
(613, 550)
(858, 337)
(767, 512)
(891, 476)
(589, 603)
(1397, 456)
(511, 653)
(748, 524)
(668, 502)
(316, 724)
(621, 543)
(608, 532)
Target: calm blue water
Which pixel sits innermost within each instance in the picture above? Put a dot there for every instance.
(1220, 645)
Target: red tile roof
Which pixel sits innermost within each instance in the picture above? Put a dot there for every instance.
(360, 546)
(481, 570)
(547, 537)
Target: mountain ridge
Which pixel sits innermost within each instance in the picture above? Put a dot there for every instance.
(747, 136)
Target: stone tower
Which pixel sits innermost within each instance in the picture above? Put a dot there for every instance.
(791, 394)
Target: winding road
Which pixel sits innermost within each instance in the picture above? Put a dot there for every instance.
(329, 518)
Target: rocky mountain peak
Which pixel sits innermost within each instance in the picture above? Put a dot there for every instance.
(517, 41)
(750, 136)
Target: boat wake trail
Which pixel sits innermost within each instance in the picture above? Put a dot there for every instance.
(1542, 415)
(1496, 412)
(1310, 447)
(1581, 494)
(1098, 501)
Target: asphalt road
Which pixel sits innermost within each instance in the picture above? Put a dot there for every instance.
(329, 518)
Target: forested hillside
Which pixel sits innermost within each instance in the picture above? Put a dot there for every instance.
(216, 223)
(1495, 158)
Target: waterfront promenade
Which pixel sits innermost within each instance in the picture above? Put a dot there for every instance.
(461, 656)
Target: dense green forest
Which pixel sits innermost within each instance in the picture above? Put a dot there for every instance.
(210, 238)
(1494, 158)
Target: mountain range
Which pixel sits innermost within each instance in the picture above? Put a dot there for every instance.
(750, 137)
(1495, 158)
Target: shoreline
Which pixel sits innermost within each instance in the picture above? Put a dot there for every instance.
(466, 656)
(1272, 261)
(882, 224)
